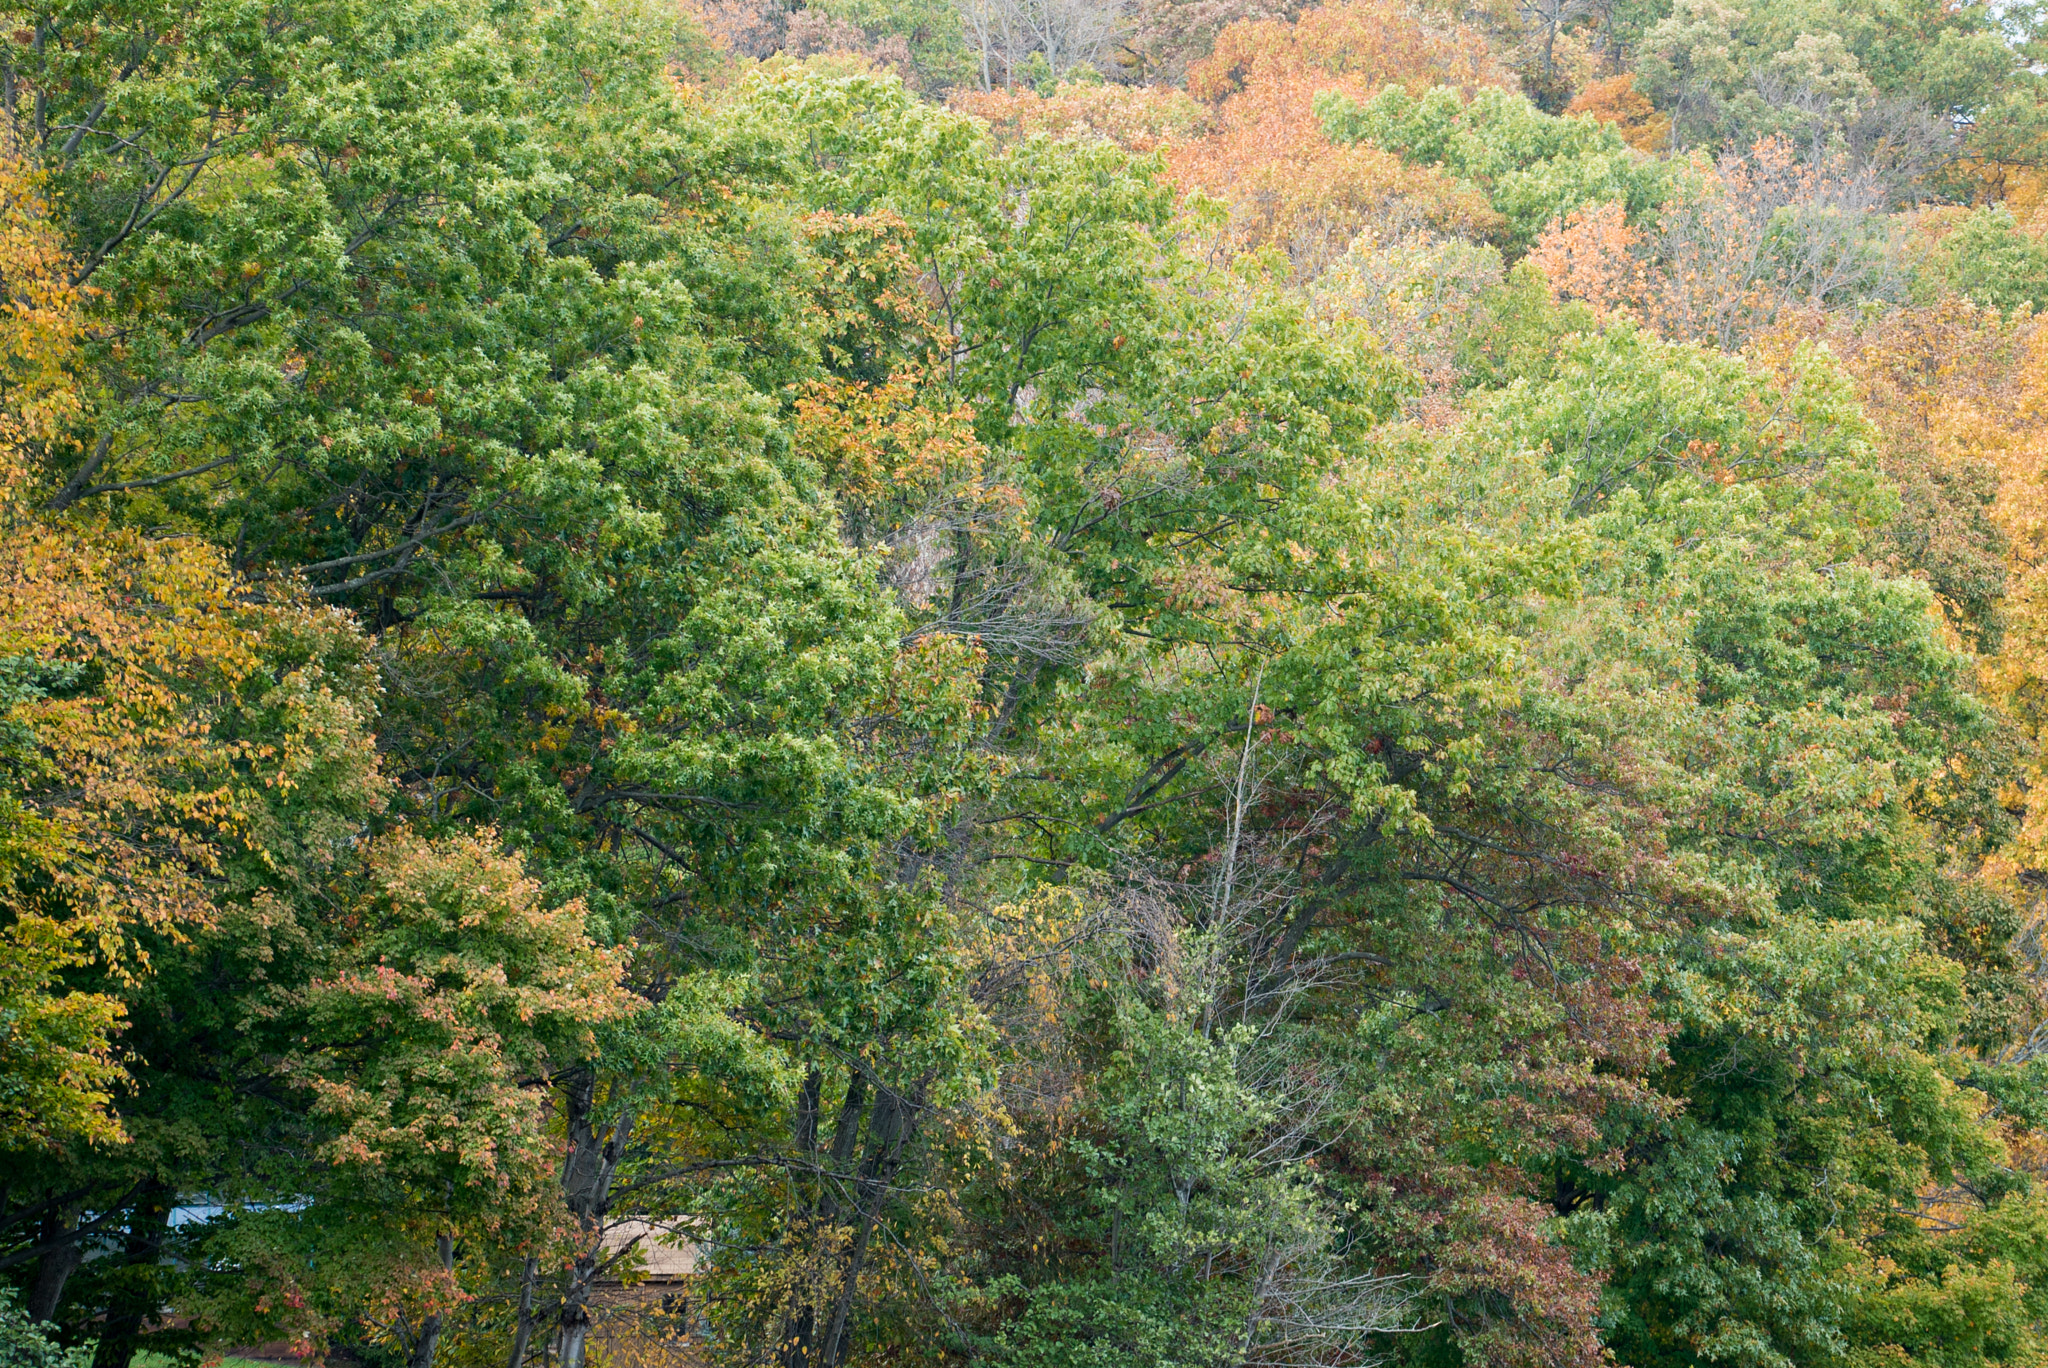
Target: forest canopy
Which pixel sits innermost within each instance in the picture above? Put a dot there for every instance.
(1066, 683)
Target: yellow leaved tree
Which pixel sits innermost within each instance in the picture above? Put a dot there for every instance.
(119, 800)
(2018, 675)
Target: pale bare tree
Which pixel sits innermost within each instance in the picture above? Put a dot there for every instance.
(1770, 231)
(1068, 34)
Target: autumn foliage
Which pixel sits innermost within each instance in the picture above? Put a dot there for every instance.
(1615, 100)
(1189, 684)
(1591, 255)
(1249, 137)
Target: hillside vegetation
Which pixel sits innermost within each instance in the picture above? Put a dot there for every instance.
(1081, 683)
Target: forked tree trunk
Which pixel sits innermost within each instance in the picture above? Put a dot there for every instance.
(819, 1334)
(593, 1160)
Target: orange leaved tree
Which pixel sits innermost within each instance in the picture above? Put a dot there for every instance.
(1287, 185)
(1616, 101)
(1246, 135)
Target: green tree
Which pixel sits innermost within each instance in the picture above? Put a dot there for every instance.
(1534, 167)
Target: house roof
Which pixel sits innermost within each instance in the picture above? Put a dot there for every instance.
(661, 1251)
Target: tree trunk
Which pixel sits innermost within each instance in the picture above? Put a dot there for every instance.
(137, 1297)
(56, 1266)
(424, 1348)
(798, 1340)
(594, 1155)
(809, 1339)
(524, 1336)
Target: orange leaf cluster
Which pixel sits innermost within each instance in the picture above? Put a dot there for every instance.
(1141, 118)
(1590, 255)
(1268, 159)
(1616, 101)
(1358, 47)
(1250, 139)
(879, 444)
